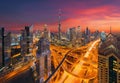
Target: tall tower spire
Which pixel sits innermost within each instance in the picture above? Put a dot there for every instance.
(59, 24)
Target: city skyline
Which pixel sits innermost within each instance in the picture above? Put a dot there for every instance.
(57, 41)
(94, 14)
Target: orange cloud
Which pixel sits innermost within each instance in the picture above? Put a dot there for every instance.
(96, 18)
(100, 18)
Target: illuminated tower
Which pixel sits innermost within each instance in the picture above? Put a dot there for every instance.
(5, 48)
(87, 35)
(59, 25)
(2, 62)
(26, 40)
(44, 58)
(46, 32)
(109, 60)
(72, 34)
(78, 33)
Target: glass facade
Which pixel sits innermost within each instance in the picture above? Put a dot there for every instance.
(26, 40)
(7, 49)
(0, 48)
(45, 63)
(112, 71)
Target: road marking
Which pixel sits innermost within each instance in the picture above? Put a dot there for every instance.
(78, 66)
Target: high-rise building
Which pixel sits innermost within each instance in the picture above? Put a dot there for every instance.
(96, 34)
(2, 62)
(7, 49)
(87, 35)
(52, 36)
(46, 33)
(72, 34)
(29, 38)
(59, 25)
(26, 40)
(78, 32)
(44, 58)
(37, 34)
(15, 54)
(109, 60)
(78, 35)
(103, 36)
(23, 43)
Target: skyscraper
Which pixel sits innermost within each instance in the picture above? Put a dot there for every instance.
(2, 62)
(72, 33)
(44, 58)
(109, 60)
(27, 30)
(23, 43)
(96, 34)
(26, 40)
(103, 36)
(78, 34)
(46, 33)
(87, 35)
(59, 25)
(7, 49)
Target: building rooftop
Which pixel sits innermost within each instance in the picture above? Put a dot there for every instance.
(111, 45)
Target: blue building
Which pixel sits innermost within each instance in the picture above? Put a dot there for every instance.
(26, 41)
(43, 55)
(5, 48)
(2, 47)
(87, 35)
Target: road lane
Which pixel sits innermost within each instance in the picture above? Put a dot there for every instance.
(78, 68)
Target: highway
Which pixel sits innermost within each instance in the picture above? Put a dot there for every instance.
(77, 68)
(56, 51)
(60, 64)
(16, 71)
(84, 70)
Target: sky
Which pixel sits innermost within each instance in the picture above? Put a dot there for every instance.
(94, 14)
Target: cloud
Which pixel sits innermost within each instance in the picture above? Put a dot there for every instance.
(91, 13)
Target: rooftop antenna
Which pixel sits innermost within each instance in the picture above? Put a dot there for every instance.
(59, 16)
(59, 24)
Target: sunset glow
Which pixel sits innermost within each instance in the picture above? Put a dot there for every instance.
(94, 14)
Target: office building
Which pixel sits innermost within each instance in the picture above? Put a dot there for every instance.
(37, 34)
(7, 49)
(78, 35)
(46, 32)
(72, 34)
(87, 35)
(26, 41)
(109, 60)
(2, 47)
(103, 36)
(44, 58)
